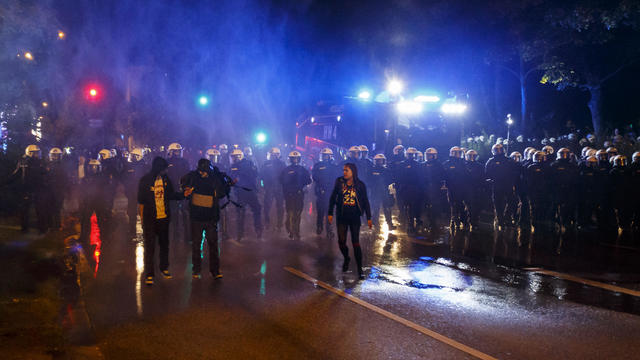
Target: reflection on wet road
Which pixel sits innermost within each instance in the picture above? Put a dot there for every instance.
(476, 288)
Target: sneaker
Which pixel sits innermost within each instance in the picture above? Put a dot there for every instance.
(196, 276)
(167, 274)
(148, 280)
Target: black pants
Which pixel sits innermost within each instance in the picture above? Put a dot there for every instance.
(132, 211)
(273, 196)
(38, 200)
(156, 230)
(456, 205)
(376, 204)
(353, 226)
(208, 231)
(294, 203)
(248, 198)
(500, 198)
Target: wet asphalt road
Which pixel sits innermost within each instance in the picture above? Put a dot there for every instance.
(475, 288)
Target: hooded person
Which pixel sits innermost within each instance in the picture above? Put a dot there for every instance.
(155, 190)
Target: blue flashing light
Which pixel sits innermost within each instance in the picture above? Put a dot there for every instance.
(203, 100)
(364, 95)
(261, 138)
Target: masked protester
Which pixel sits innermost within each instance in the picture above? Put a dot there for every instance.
(204, 188)
(294, 178)
(245, 174)
(155, 190)
(270, 178)
(349, 198)
(324, 174)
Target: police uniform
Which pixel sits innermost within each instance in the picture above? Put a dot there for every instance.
(379, 180)
(324, 174)
(246, 174)
(293, 179)
(270, 176)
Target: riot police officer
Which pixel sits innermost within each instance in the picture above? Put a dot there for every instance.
(135, 169)
(379, 180)
(434, 176)
(245, 175)
(409, 180)
(353, 156)
(474, 193)
(294, 178)
(565, 175)
(270, 178)
(365, 164)
(634, 169)
(58, 186)
(30, 176)
(499, 170)
(621, 181)
(324, 174)
(589, 191)
(178, 167)
(535, 182)
(95, 199)
(225, 159)
(455, 178)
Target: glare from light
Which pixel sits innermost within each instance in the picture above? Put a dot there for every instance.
(339, 118)
(453, 108)
(45, 104)
(61, 34)
(426, 98)
(409, 107)
(509, 120)
(28, 56)
(93, 92)
(261, 137)
(394, 87)
(364, 95)
(203, 100)
(313, 119)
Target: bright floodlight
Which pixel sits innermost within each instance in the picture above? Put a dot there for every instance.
(203, 100)
(426, 98)
(364, 95)
(261, 137)
(453, 108)
(409, 107)
(394, 87)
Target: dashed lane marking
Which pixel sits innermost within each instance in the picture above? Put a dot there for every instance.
(580, 280)
(464, 348)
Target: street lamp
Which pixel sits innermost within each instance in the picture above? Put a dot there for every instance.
(509, 123)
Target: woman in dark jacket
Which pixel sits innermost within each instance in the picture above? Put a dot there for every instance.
(349, 197)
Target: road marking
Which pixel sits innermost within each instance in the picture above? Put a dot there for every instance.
(598, 284)
(471, 351)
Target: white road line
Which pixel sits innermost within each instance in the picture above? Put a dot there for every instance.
(464, 348)
(598, 284)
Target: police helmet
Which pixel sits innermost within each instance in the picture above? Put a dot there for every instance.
(544, 141)
(471, 155)
(295, 157)
(136, 154)
(563, 153)
(602, 155)
(398, 150)
(539, 156)
(635, 157)
(326, 154)
(364, 150)
(548, 150)
(104, 154)
(584, 151)
(354, 152)
(497, 149)
(456, 152)
(412, 153)
(94, 166)
(592, 161)
(527, 152)
(213, 155)
(591, 152)
(274, 153)
(516, 156)
(379, 159)
(552, 140)
(237, 155)
(431, 154)
(174, 150)
(224, 148)
(620, 160)
(32, 151)
(611, 151)
(520, 138)
(499, 140)
(583, 142)
(248, 152)
(55, 154)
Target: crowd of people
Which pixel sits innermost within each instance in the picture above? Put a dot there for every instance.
(553, 183)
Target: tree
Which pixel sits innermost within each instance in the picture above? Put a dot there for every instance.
(602, 40)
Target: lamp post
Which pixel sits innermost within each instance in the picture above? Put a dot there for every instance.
(509, 123)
